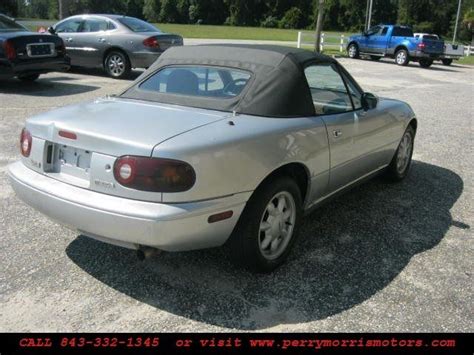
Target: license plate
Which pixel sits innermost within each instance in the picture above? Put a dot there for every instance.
(72, 161)
(40, 49)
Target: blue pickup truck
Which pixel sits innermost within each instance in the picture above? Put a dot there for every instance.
(395, 42)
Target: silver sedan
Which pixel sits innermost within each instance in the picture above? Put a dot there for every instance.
(116, 43)
(213, 145)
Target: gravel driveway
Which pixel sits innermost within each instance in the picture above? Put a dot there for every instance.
(383, 257)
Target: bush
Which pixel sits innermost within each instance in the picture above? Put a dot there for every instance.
(269, 22)
(292, 19)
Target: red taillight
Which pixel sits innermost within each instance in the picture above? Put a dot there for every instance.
(25, 142)
(9, 50)
(151, 42)
(421, 45)
(68, 135)
(154, 174)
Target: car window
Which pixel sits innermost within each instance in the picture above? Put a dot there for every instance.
(197, 81)
(94, 25)
(402, 32)
(327, 89)
(71, 25)
(137, 25)
(111, 25)
(373, 30)
(384, 31)
(354, 91)
(8, 25)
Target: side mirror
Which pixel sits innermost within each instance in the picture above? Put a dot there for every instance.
(51, 30)
(369, 101)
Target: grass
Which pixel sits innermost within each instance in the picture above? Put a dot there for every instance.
(222, 32)
(467, 60)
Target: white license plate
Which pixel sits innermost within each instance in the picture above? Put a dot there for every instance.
(36, 50)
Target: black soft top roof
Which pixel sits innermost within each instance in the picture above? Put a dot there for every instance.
(277, 88)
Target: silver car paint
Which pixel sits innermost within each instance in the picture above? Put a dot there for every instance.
(88, 49)
(231, 155)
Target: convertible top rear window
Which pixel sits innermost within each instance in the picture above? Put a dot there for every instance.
(216, 82)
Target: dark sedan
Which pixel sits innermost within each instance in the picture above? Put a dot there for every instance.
(26, 54)
(115, 42)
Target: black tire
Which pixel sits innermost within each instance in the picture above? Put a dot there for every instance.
(401, 57)
(447, 61)
(117, 65)
(244, 244)
(29, 78)
(353, 51)
(393, 171)
(425, 63)
(375, 57)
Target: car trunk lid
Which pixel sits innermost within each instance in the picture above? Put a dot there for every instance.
(29, 46)
(165, 40)
(79, 144)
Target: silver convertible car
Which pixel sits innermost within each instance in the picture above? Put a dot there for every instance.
(115, 42)
(213, 145)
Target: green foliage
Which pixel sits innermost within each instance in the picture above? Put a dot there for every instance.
(151, 10)
(9, 7)
(293, 18)
(269, 22)
(169, 11)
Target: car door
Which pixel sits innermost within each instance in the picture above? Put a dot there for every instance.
(347, 132)
(371, 37)
(379, 41)
(93, 41)
(68, 30)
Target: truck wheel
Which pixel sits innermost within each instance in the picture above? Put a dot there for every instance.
(401, 57)
(353, 51)
(268, 226)
(375, 57)
(401, 161)
(425, 63)
(447, 61)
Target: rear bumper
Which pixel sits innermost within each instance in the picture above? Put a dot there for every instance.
(38, 66)
(143, 59)
(126, 222)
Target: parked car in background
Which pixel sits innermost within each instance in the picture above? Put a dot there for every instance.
(116, 43)
(451, 51)
(26, 55)
(395, 42)
(212, 145)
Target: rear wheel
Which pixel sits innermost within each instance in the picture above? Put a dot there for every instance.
(425, 63)
(353, 51)
(447, 61)
(117, 65)
(266, 231)
(401, 161)
(401, 57)
(29, 78)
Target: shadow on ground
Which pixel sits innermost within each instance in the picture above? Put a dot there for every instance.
(437, 66)
(51, 86)
(348, 250)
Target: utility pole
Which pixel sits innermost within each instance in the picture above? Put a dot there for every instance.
(366, 16)
(457, 20)
(370, 14)
(319, 26)
(63, 8)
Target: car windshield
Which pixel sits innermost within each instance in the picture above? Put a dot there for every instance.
(137, 25)
(8, 25)
(203, 81)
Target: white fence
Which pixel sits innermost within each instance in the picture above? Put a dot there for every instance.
(468, 50)
(327, 40)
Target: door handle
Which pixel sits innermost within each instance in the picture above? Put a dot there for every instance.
(101, 39)
(69, 39)
(337, 133)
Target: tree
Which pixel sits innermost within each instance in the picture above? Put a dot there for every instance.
(151, 10)
(319, 26)
(468, 21)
